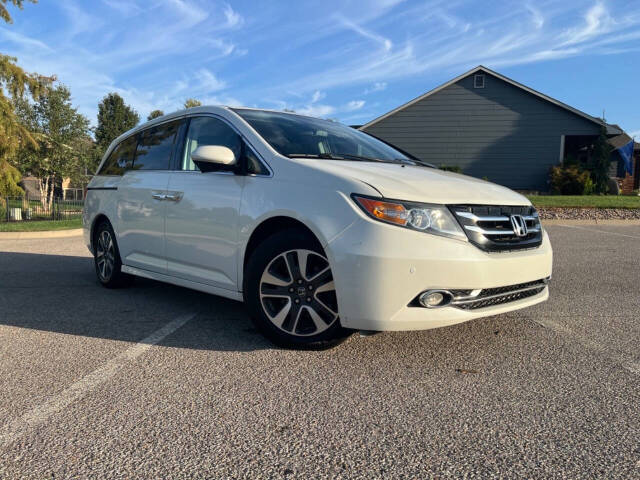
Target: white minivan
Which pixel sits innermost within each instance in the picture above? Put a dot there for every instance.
(319, 228)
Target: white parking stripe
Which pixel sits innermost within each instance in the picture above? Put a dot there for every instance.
(15, 429)
(629, 365)
(598, 231)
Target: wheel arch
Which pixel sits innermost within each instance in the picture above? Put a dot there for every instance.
(94, 224)
(270, 226)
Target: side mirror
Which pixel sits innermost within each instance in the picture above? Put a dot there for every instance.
(210, 158)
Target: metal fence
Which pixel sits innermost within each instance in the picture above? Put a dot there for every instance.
(24, 209)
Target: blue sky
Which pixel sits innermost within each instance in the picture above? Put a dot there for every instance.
(349, 60)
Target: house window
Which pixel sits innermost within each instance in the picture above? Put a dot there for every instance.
(478, 81)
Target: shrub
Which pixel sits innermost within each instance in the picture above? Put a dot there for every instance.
(571, 181)
(451, 168)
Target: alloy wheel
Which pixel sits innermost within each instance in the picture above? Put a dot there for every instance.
(105, 255)
(298, 294)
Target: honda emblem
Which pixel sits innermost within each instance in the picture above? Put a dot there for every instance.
(519, 225)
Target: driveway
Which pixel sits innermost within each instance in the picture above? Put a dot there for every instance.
(157, 381)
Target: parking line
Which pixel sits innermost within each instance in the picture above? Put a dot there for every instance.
(598, 231)
(38, 415)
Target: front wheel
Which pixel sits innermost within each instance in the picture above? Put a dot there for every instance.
(290, 292)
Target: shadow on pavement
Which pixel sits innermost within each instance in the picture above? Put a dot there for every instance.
(61, 294)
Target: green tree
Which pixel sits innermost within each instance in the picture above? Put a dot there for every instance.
(114, 118)
(14, 83)
(600, 162)
(192, 102)
(4, 13)
(155, 114)
(63, 142)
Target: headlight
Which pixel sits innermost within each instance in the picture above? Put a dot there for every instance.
(422, 217)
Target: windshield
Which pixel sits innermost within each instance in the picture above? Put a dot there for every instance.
(300, 136)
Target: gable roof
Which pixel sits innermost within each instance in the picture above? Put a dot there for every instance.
(611, 129)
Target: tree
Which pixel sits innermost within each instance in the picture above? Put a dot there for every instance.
(192, 102)
(600, 162)
(14, 83)
(4, 13)
(155, 114)
(114, 118)
(62, 136)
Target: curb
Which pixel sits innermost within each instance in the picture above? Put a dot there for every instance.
(613, 221)
(76, 232)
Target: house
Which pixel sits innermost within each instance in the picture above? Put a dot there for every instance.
(491, 127)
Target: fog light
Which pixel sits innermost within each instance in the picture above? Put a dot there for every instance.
(435, 298)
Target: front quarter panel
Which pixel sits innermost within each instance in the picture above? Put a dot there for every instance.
(326, 211)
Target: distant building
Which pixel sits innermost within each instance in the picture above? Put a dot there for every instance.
(491, 126)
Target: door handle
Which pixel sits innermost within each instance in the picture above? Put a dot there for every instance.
(174, 197)
(159, 196)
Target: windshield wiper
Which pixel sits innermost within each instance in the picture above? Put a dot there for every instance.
(326, 156)
(347, 156)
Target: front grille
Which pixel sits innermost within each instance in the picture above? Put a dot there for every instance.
(489, 297)
(500, 228)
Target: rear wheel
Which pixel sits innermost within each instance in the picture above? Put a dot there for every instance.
(107, 258)
(290, 292)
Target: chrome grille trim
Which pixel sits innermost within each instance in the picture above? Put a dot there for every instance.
(466, 300)
(483, 231)
(502, 295)
(490, 227)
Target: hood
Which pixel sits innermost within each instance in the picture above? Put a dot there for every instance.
(422, 184)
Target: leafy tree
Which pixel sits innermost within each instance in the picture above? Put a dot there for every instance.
(155, 114)
(9, 178)
(4, 13)
(600, 162)
(63, 142)
(114, 118)
(192, 102)
(14, 83)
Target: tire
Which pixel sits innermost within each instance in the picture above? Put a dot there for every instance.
(106, 258)
(293, 308)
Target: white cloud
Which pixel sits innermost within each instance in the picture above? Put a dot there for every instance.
(379, 39)
(354, 105)
(596, 22)
(376, 87)
(234, 19)
(316, 110)
(317, 96)
(208, 82)
(536, 16)
(635, 135)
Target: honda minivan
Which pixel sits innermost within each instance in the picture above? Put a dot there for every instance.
(319, 228)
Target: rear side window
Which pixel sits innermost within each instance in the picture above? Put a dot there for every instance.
(155, 146)
(121, 158)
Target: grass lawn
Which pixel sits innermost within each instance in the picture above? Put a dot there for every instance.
(40, 225)
(594, 201)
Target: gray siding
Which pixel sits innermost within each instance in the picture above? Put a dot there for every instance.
(501, 132)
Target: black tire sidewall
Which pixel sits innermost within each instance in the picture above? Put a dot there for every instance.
(269, 249)
(118, 279)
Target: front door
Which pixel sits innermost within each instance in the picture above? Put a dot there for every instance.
(142, 199)
(202, 211)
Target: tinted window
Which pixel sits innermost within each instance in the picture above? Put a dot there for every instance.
(209, 131)
(121, 158)
(294, 135)
(155, 146)
(254, 165)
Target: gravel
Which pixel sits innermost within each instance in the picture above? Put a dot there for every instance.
(546, 392)
(565, 213)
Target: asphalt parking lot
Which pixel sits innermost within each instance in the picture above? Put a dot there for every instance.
(157, 381)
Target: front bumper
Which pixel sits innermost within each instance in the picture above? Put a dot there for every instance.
(379, 270)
